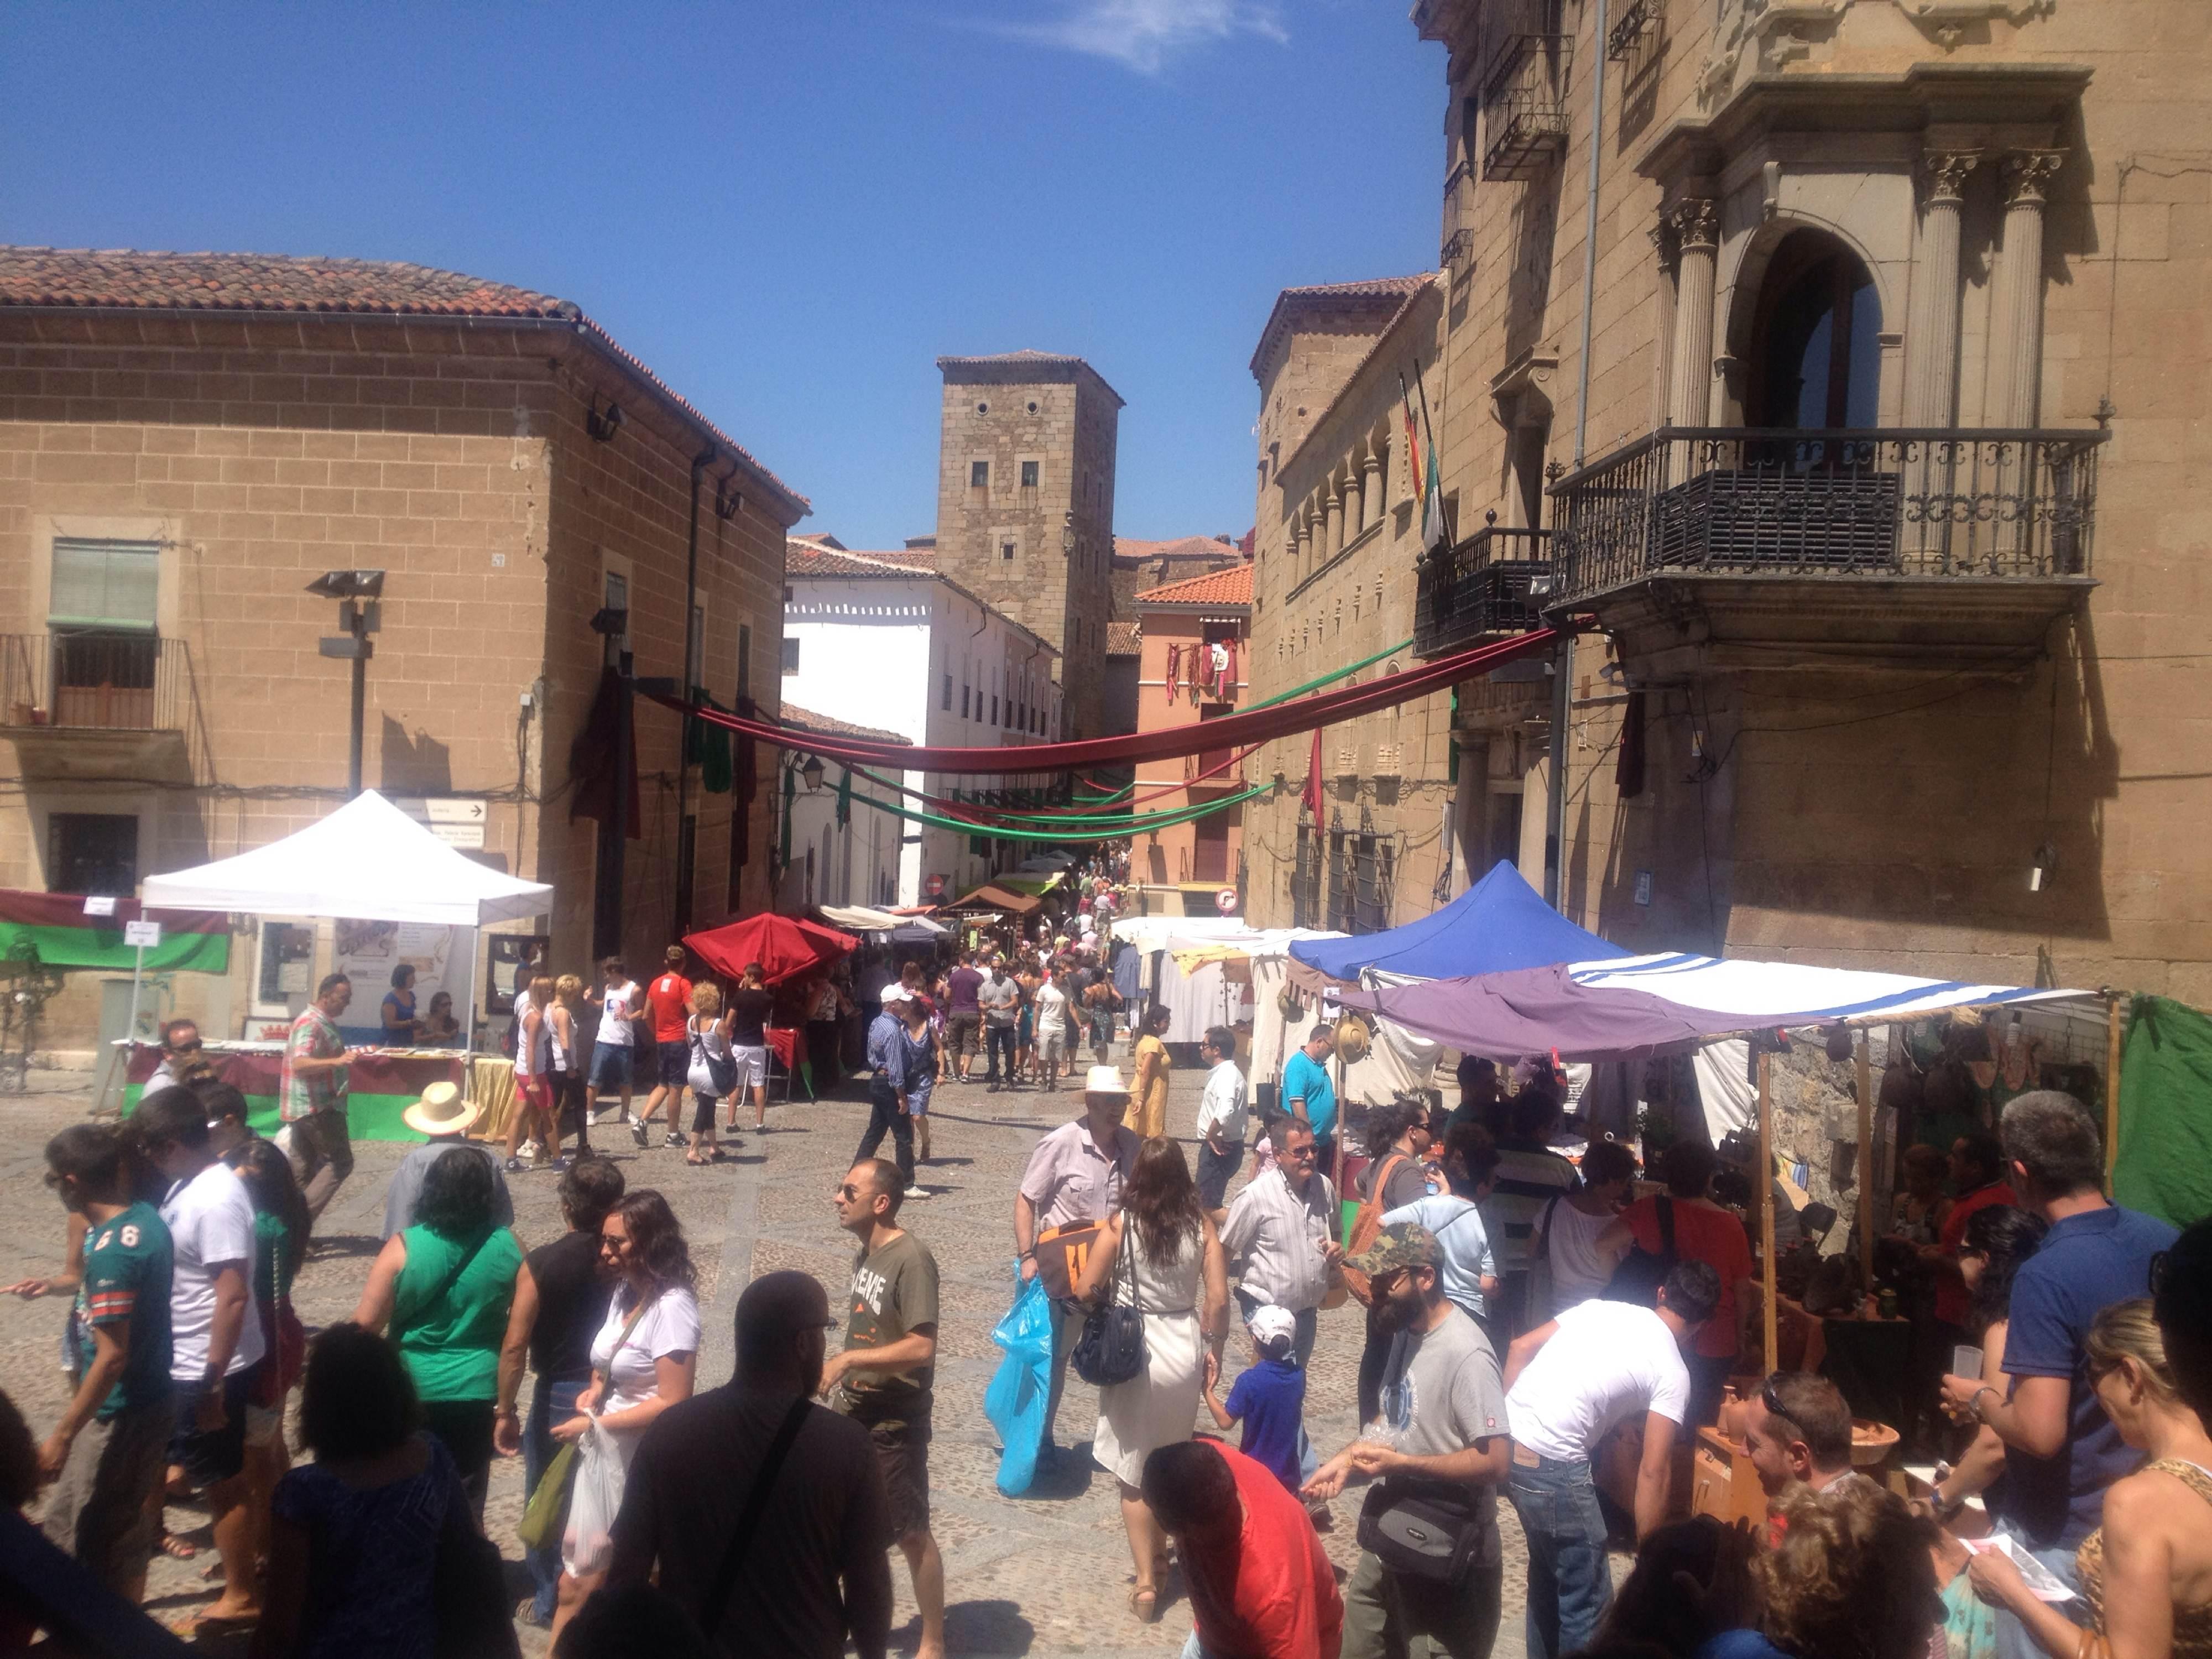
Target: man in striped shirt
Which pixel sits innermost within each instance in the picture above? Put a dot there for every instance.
(1530, 1174)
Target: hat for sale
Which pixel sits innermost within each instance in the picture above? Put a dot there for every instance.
(1272, 1324)
(1406, 1245)
(440, 1112)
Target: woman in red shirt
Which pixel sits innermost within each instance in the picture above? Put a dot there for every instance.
(1703, 1231)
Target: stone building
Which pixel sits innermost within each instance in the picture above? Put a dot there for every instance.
(1857, 417)
(855, 862)
(1195, 656)
(187, 441)
(1026, 504)
(1335, 548)
(1139, 564)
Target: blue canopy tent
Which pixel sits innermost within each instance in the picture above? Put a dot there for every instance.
(1499, 924)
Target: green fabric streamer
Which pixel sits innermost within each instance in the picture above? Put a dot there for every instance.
(707, 747)
(2165, 1163)
(844, 796)
(1077, 830)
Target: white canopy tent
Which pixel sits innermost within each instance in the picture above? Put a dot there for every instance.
(367, 860)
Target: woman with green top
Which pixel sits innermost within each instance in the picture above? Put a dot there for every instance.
(444, 1286)
(281, 1225)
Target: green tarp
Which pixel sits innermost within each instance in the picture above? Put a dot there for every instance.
(2165, 1163)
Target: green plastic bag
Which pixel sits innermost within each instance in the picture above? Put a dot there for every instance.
(546, 1515)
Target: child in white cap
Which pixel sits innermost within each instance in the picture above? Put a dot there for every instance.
(1269, 1396)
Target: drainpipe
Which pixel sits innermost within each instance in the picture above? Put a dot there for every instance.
(687, 847)
(1563, 661)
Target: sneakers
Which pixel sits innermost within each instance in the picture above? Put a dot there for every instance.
(638, 1132)
(514, 1166)
(917, 1191)
(675, 1138)
(557, 1165)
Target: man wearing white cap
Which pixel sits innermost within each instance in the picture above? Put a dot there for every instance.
(446, 1118)
(1074, 1178)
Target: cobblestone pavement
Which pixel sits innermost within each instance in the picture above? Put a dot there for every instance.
(1047, 1573)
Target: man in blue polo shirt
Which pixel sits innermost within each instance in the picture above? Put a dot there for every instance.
(2062, 1451)
(1308, 1093)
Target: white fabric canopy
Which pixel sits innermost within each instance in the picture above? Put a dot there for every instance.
(1797, 993)
(859, 919)
(367, 860)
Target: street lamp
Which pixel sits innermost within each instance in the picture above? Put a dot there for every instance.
(812, 772)
(360, 613)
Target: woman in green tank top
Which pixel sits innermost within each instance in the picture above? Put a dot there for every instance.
(444, 1286)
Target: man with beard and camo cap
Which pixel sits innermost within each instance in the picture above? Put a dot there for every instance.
(1438, 1443)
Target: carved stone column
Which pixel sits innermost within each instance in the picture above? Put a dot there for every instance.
(1931, 368)
(1697, 229)
(1370, 507)
(2016, 304)
(1334, 545)
(1354, 503)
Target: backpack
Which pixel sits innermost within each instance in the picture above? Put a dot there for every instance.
(1640, 1275)
(1367, 1222)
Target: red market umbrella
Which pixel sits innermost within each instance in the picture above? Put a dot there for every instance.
(784, 947)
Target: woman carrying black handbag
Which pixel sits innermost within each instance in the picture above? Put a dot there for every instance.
(1161, 1258)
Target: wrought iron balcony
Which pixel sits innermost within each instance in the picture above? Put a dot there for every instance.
(84, 682)
(1897, 502)
(1493, 582)
(1525, 104)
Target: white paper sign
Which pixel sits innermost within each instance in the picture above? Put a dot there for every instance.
(145, 935)
(96, 906)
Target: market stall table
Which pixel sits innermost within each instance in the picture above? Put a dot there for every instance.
(381, 1083)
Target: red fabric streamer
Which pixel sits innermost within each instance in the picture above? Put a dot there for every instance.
(1252, 726)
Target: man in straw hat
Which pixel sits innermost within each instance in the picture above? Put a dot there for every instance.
(1073, 1183)
(446, 1118)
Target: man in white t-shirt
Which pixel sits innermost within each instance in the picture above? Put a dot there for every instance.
(620, 1001)
(1051, 1032)
(1222, 1115)
(215, 1336)
(1568, 1384)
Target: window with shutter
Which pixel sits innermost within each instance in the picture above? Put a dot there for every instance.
(105, 585)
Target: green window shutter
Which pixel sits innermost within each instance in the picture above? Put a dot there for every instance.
(102, 584)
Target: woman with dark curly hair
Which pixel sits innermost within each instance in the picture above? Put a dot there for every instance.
(1174, 1272)
(644, 1360)
(1851, 1579)
(444, 1287)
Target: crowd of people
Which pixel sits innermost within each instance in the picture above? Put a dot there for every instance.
(1531, 1330)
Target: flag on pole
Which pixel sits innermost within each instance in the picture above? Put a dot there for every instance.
(1434, 532)
(1413, 473)
(1312, 796)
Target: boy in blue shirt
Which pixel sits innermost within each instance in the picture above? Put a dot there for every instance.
(1268, 1398)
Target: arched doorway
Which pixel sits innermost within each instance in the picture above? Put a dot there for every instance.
(1816, 348)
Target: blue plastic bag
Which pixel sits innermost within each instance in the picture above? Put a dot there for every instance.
(1015, 1400)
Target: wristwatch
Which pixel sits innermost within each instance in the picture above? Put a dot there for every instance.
(1975, 1402)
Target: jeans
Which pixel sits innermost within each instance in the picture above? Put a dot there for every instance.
(1214, 1169)
(1067, 1326)
(552, 1402)
(885, 1116)
(1569, 1582)
(1385, 1612)
(321, 1155)
(2013, 1640)
(1000, 1040)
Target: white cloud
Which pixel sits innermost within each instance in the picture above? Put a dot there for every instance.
(1143, 34)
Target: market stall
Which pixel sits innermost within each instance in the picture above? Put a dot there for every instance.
(367, 863)
(381, 1083)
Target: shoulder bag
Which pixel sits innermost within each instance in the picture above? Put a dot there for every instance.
(1432, 1530)
(1640, 1275)
(437, 1297)
(1111, 1348)
(721, 1069)
(1366, 1224)
(748, 1518)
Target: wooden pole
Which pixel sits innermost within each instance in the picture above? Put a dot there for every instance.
(1865, 1068)
(1765, 1182)
(2111, 1082)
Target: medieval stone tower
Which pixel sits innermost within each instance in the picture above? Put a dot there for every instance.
(1026, 504)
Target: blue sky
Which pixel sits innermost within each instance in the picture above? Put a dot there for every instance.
(789, 210)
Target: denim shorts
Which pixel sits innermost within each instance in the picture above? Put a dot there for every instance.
(610, 1065)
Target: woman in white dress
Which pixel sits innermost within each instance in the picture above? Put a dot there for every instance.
(1181, 1283)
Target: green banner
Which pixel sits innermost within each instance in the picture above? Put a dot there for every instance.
(2165, 1162)
(103, 947)
(368, 1117)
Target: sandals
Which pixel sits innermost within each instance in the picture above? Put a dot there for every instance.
(177, 1548)
(1146, 1604)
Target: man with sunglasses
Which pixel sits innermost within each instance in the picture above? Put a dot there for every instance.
(1280, 1235)
(181, 1056)
(1568, 1384)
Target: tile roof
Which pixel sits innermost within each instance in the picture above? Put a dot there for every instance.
(1379, 295)
(1216, 587)
(804, 556)
(823, 726)
(131, 279)
(1124, 638)
(1179, 546)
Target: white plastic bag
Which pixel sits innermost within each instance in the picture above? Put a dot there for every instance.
(588, 1545)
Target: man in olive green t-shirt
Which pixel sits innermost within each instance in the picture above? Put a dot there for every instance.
(884, 1375)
